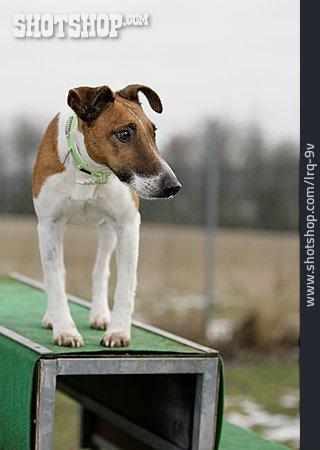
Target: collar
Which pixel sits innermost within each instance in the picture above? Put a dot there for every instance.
(96, 177)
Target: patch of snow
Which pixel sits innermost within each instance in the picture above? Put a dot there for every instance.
(290, 400)
(278, 427)
(220, 330)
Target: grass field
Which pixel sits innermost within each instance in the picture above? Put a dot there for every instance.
(254, 272)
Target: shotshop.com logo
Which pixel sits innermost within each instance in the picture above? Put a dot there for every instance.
(82, 25)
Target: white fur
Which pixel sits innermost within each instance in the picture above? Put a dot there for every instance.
(61, 202)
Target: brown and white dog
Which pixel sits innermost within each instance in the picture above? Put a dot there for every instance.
(112, 132)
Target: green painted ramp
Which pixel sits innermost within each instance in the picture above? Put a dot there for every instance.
(21, 309)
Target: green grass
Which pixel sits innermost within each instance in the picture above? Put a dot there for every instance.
(265, 382)
(67, 418)
(264, 385)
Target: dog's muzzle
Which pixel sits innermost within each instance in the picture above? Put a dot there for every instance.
(163, 185)
(170, 186)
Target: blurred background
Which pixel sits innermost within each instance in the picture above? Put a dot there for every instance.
(224, 263)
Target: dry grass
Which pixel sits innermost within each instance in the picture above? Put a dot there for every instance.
(254, 271)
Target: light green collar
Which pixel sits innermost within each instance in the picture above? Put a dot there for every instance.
(96, 177)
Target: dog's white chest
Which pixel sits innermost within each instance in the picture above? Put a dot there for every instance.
(83, 193)
(89, 205)
(89, 212)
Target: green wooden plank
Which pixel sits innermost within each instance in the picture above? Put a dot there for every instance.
(22, 308)
(236, 438)
(16, 382)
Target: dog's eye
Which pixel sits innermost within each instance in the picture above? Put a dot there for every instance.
(123, 136)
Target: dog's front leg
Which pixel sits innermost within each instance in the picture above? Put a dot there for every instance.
(100, 313)
(119, 332)
(58, 314)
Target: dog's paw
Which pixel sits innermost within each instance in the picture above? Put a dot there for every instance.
(116, 338)
(99, 320)
(46, 321)
(69, 339)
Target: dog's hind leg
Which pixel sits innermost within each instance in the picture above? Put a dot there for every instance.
(100, 313)
(58, 314)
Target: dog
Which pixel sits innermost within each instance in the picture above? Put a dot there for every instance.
(96, 158)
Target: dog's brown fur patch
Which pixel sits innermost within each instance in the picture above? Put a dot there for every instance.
(135, 197)
(88, 102)
(101, 115)
(141, 156)
(131, 93)
(47, 161)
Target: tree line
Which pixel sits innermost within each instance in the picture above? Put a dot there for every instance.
(256, 186)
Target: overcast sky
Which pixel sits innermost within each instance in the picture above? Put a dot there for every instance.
(231, 59)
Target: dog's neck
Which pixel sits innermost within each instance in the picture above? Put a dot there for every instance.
(79, 140)
(78, 137)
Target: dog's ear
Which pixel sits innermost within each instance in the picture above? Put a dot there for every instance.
(88, 102)
(131, 93)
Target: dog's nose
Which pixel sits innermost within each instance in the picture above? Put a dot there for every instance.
(170, 186)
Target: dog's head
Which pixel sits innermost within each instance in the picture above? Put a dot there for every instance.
(119, 135)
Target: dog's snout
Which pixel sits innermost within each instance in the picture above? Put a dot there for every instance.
(170, 186)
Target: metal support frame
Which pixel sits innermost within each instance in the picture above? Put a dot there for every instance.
(46, 403)
(206, 369)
